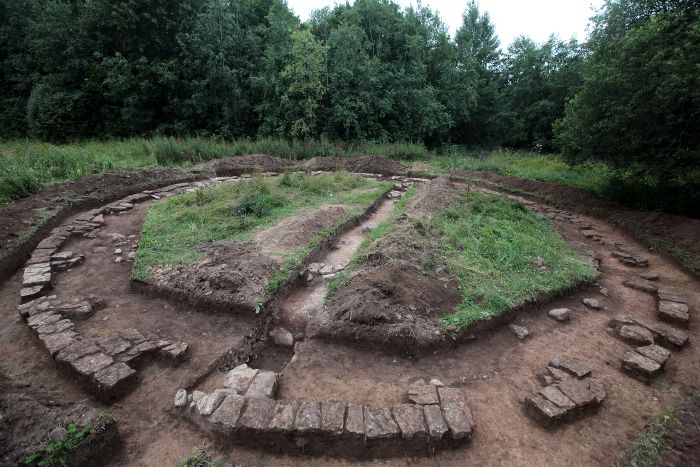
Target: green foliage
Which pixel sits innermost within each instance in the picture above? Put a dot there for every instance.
(177, 227)
(489, 243)
(201, 458)
(56, 453)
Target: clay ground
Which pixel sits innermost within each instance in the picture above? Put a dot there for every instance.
(497, 370)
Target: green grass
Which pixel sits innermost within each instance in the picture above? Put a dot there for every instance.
(489, 243)
(200, 458)
(176, 227)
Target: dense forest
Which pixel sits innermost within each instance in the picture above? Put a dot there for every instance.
(367, 70)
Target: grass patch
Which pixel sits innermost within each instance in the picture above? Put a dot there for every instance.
(57, 453)
(200, 458)
(176, 227)
(489, 243)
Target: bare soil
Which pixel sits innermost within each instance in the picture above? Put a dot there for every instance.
(365, 164)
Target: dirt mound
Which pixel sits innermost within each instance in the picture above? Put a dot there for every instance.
(28, 415)
(365, 164)
(432, 197)
(249, 164)
(297, 231)
(678, 236)
(231, 276)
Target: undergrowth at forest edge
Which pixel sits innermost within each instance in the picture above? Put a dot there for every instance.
(177, 227)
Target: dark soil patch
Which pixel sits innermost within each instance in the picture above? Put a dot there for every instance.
(366, 164)
(677, 236)
(253, 163)
(434, 196)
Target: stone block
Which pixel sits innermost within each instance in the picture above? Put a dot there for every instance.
(78, 349)
(308, 418)
(91, 364)
(409, 418)
(30, 293)
(671, 296)
(458, 418)
(175, 351)
(43, 319)
(225, 418)
(115, 379)
(434, 421)
(572, 365)
(592, 303)
(283, 416)
(597, 388)
(673, 312)
(58, 326)
(355, 421)
(641, 284)
(257, 414)
(209, 403)
(239, 378)
(577, 390)
(180, 398)
(655, 352)
(543, 410)
(58, 341)
(264, 384)
(422, 394)
(554, 395)
(640, 367)
(132, 335)
(560, 314)
(332, 417)
(635, 334)
(379, 424)
(115, 345)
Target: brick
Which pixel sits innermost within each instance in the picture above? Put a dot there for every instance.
(673, 312)
(543, 410)
(635, 334)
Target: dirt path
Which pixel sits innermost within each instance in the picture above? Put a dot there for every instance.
(496, 369)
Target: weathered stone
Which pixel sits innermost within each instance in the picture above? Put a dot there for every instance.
(132, 335)
(655, 352)
(597, 388)
(197, 395)
(650, 276)
(553, 394)
(664, 333)
(520, 331)
(671, 296)
(673, 311)
(114, 345)
(213, 401)
(436, 382)
(379, 424)
(437, 427)
(42, 319)
(573, 365)
(560, 314)
(355, 421)
(264, 384)
(641, 284)
(115, 378)
(58, 341)
(282, 337)
(543, 410)
(308, 417)
(78, 349)
(332, 417)
(577, 390)
(422, 394)
(240, 378)
(590, 233)
(225, 418)
(257, 414)
(458, 418)
(592, 303)
(283, 416)
(175, 351)
(557, 374)
(326, 270)
(180, 398)
(639, 366)
(91, 364)
(78, 309)
(30, 293)
(635, 334)
(58, 326)
(409, 418)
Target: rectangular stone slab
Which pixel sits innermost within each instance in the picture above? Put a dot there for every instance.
(308, 417)
(423, 394)
(91, 364)
(78, 349)
(543, 410)
(673, 311)
(355, 421)
(225, 418)
(577, 391)
(655, 352)
(58, 341)
(411, 422)
(257, 414)
(574, 366)
(283, 416)
(437, 427)
(459, 420)
(379, 424)
(333, 417)
(115, 379)
(639, 366)
(264, 384)
(240, 378)
(558, 398)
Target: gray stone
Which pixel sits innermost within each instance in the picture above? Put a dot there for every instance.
(458, 418)
(115, 378)
(115, 345)
(58, 341)
(379, 424)
(554, 395)
(58, 326)
(543, 410)
(452, 395)
(264, 384)
(592, 303)
(422, 394)
(257, 414)
(29, 293)
(197, 395)
(577, 390)
(175, 351)
(437, 383)
(650, 276)
(91, 364)
(282, 337)
(118, 259)
(240, 378)
(355, 421)
(308, 417)
(635, 334)
(560, 314)
(641, 284)
(78, 349)
(283, 416)
(326, 270)
(639, 366)
(557, 374)
(655, 352)
(597, 388)
(409, 418)
(520, 331)
(672, 296)
(180, 398)
(42, 319)
(225, 418)
(437, 427)
(57, 434)
(132, 335)
(208, 404)
(673, 312)
(332, 417)
(572, 365)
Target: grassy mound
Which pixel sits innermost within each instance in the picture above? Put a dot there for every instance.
(490, 243)
(177, 227)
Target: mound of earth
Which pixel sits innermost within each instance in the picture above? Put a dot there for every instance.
(434, 196)
(253, 163)
(297, 231)
(365, 164)
(230, 276)
(31, 418)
